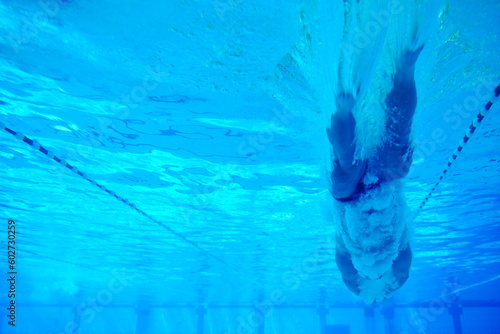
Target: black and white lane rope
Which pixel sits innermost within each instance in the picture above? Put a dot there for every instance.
(38, 147)
(468, 135)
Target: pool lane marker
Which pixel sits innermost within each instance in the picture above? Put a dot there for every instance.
(468, 135)
(38, 147)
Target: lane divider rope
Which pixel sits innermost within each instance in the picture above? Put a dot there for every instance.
(468, 135)
(38, 147)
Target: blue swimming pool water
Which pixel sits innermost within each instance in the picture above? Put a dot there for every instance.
(202, 116)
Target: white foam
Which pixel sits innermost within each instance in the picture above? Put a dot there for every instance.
(374, 229)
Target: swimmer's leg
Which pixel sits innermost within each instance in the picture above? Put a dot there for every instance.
(396, 155)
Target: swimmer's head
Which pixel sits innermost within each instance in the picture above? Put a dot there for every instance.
(375, 289)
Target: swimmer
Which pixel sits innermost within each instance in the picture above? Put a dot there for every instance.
(373, 250)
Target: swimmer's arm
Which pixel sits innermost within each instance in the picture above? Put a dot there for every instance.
(401, 102)
(346, 171)
(402, 99)
(341, 133)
